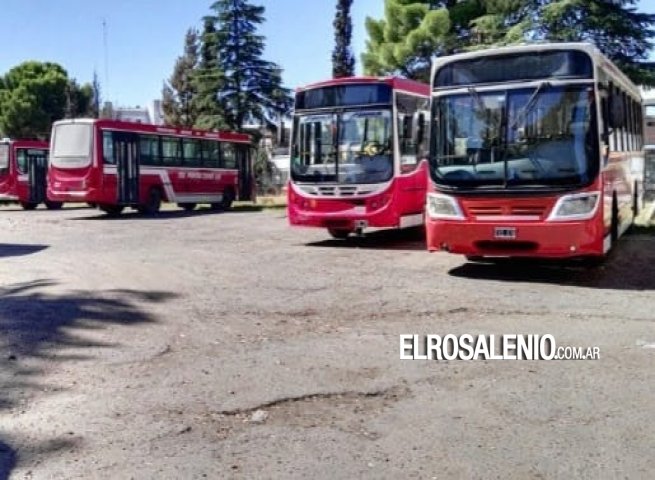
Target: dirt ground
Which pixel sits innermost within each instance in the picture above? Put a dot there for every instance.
(230, 345)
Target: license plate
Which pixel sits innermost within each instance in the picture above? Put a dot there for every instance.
(505, 233)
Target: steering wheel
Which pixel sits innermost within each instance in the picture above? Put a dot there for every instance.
(372, 148)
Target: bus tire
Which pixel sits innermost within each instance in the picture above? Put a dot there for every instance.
(28, 205)
(189, 207)
(226, 203)
(339, 233)
(111, 210)
(474, 258)
(153, 203)
(614, 225)
(53, 205)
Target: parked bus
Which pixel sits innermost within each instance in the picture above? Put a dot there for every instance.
(115, 164)
(23, 166)
(359, 154)
(531, 152)
(649, 150)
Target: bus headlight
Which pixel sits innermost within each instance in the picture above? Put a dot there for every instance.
(443, 207)
(580, 206)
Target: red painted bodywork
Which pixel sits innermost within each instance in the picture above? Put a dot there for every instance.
(94, 184)
(404, 196)
(474, 236)
(14, 186)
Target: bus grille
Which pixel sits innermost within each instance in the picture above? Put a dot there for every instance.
(522, 212)
(336, 190)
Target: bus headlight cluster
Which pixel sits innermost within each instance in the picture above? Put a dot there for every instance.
(445, 207)
(580, 206)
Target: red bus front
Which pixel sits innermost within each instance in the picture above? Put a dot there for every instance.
(355, 155)
(529, 168)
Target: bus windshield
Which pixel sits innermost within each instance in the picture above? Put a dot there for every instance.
(71, 143)
(544, 136)
(4, 158)
(349, 147)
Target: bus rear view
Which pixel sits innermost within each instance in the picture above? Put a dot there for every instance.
(531, 152)
(358, 154)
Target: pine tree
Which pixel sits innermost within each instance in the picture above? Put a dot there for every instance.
(252, 87)
(343, 61)
(179, 92)
(208, 80)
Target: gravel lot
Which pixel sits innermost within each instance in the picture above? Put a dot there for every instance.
(231, 346)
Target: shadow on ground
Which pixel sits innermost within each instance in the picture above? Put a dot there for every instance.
(18, 250)
(628, 267)
(35, 324)
(396, 239)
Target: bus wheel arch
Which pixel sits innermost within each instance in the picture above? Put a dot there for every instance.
(28, 205)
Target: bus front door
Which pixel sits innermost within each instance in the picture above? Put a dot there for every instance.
(37, 165)
(126, 151)
(244, 165)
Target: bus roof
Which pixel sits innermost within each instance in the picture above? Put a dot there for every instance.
(159, 129)
(596, 56)
(397, 83)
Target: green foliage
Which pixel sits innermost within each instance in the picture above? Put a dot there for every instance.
(413, 32)
(208, 80)
(406, 39)
(251, 86)
(179, 92)
(35, 94)
(343, 61)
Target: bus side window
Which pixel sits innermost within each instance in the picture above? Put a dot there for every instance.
(210, 154)
(228, 156)
(149, 149)
(170, 151)
(108, 149)
(410, 126)
(191, 152)
(21, 161)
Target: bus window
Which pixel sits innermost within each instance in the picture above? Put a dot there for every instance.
(210, 153)
(21, 161)
(191, 151)
(149, 146)
(229, 156)
(170, 149)
(108, 148)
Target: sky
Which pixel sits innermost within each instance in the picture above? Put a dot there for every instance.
(144, 37)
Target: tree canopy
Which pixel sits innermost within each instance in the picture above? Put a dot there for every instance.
(180, 91)
(35, 94)
(412, 32)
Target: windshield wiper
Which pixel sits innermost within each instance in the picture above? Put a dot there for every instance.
(529, 105)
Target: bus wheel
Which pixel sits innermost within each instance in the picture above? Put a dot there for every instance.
(614, 226)
(54, 205)
(187, 206)
(28, 205)
(153, 204)
(339, 233)
(111, 210)
(475, 258)
(226, 203)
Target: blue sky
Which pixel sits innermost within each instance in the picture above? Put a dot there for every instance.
(146, 36)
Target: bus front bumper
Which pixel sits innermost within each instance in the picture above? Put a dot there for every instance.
(538, 239)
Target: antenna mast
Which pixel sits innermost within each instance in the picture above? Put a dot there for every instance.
(104, 40)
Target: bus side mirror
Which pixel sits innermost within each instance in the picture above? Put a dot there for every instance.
(420, 129)
(407, 127)
(617, 112)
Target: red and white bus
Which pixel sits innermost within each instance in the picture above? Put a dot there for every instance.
(115, 164)
(358, 154)
(23, 166)
(533, 152)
